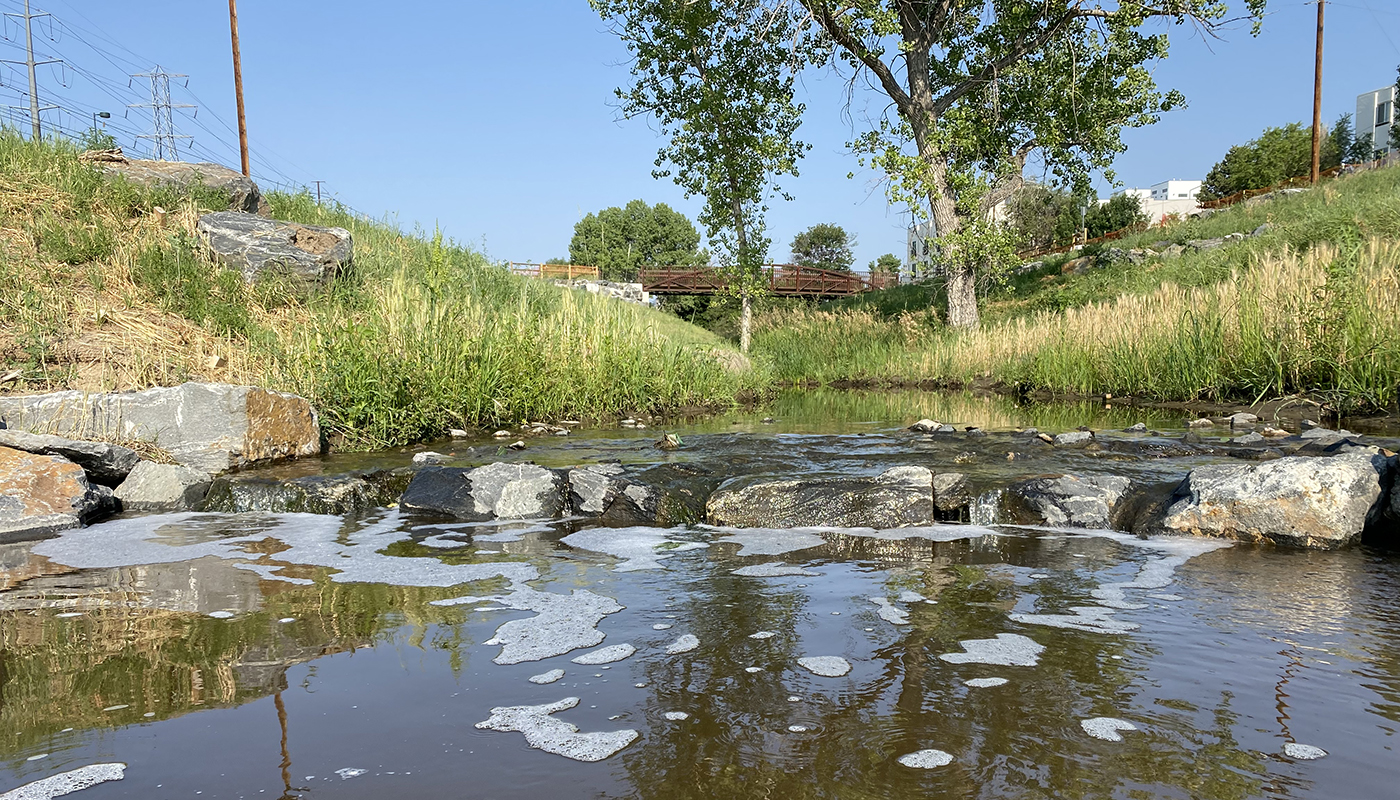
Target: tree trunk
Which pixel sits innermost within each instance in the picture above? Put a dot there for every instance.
(745, 321)
(962, 297)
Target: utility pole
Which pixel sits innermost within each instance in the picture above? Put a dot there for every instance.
(318, 191)
(1317, 101)
(163, 135)
(238, 86)
(34, 107)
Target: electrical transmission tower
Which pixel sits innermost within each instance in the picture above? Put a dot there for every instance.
(34, 106)
(163, 134)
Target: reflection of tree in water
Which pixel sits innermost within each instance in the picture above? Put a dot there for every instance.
(1022, 740)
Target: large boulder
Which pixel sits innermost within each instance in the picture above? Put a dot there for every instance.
(163, 487)
(243, 193)
(495, 491)
(601, 493)
(255, 246)
(350, 493)
(1302, 501)
(900, 497)
(1066, 501)
(41, 494)
(210, 427)
(105, 463)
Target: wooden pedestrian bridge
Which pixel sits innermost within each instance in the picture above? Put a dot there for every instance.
(783, 280)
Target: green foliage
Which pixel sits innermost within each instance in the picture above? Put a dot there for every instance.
(1340, 140)
(1276, 156)
(823, 246)
(1044, 216)
(888, 264)
(96, 139)
(184, 284)
(620, 241)
(1363, 149)
(1121, 212)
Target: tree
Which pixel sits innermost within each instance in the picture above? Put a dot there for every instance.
(1044, 216)
(823, 246)
(1277, 155)
(1338, 144)
(1122, 211)
(717, 76)
(1362, 150)
(978, 86)
(1394, 128)
(620, 241)
(887, 264)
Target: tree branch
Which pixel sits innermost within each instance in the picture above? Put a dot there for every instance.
(822, 12)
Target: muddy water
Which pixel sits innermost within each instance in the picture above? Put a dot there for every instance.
(305, 656)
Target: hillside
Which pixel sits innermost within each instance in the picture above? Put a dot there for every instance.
(1306, 306)
(105, 286)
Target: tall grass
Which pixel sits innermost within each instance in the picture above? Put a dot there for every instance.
(1321, 323)
(420, 336)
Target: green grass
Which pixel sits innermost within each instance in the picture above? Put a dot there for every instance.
(422, 335)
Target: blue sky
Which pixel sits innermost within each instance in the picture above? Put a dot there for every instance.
(495, 122)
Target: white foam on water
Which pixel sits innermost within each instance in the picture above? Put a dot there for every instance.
(752, 670)
(1302, 752)
(798, 728)
(285, 620)
(825, 666)
(67, 782)
(662, 626)
(985, 683)
(312, 540)
(763, 635)
(911, 596)
(67, 614)
(889, 612)
(1006, 650)
(547, 677)
(771, 541)
(346, 773)
(676, 716)
(932, 533)
(561, 623)
(926, 759)
(1094, 619)
(639, 548)
(774, 570)
(36, 758)
(544, 732)
(464, 600)
(116, 707)
(221, 614)
(1038, 575)
(1107, 728)
(684, 644)
(606, 655)
(1167, 598)
(442, 542)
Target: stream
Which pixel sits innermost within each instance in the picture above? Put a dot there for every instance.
(387, 655)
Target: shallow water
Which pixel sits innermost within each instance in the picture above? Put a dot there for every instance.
(297, 655)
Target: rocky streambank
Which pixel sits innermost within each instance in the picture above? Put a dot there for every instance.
(68, 460)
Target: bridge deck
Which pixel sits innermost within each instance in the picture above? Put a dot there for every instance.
(785, 280)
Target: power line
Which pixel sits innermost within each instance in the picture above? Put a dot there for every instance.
(162, 113)
(32, 64)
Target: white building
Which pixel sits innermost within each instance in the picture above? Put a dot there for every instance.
(1166, 198)
(1375, 111)
(918, 260)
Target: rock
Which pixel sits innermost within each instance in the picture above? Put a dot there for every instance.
(349, 493)
(900, 497)
(210, 427)
(925, 426)
(1243, 420)
(429, 457)
(1076, 265)
(1202, 422)
(254, 246)
(1201, 245)
(1307, 502)
(598, 491)
(1307, 424)
(1262, 229)
(517, 445)
(1232, 238)
(163, 487)
(1173, 251)
(243, 193)
(1073, 438)
(105, 463)
(669, 441)
(1067, 500)
(1326, 434)
(1115, 255)
(1045, 437)
(950, 491)
(1140, 427)
(495, 491)
(1250, 438)
(41, 494)
(975, 433)
(458, 433)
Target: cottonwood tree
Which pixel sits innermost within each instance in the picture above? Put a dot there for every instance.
(621, 241)
(979, 86)
(717, 76)
(823, 246)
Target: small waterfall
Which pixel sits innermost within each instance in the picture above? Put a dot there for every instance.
(986, 509)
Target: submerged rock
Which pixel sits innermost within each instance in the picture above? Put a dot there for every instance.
(1307, 502)
(211, 427)
(255, 246)
(104, 463)
(350, 493)
(42, 494)
(163, 487)
(898, 498)
(1066, 501)
(495, 491)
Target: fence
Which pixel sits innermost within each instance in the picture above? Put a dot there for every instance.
(554, 272)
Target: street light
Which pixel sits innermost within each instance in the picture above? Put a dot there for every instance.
(96, 114)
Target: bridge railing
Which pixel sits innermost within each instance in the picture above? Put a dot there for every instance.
(554, 272)
(781, 279)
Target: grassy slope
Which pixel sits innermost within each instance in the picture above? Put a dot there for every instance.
(1243, 321)
(101, 293)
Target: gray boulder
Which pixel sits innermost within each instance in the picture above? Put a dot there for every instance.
(243, 193)
(255, 246)
(951, 492)
(599, 492)
(1243, 419)
(1074, 438)
(209, 427)
(1307, 502)
(495, 491)
(105, 463)
(898, 498)
(350, 493)
(41, 494)
(1066, 501)
(163, 487)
